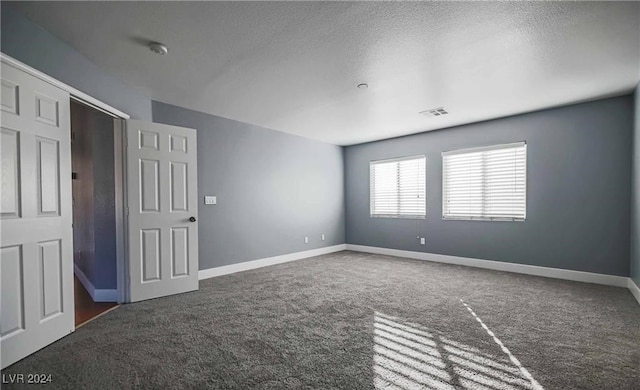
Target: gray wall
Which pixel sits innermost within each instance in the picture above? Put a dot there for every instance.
(104, 201)
(578, 206)
(36, 47)
(635, 205)
(273, 189)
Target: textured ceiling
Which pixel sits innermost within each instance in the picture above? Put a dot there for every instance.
(294, 66)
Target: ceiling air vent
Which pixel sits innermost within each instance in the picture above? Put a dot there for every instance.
(434, 112)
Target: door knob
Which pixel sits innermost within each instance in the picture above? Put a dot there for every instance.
(192, 219)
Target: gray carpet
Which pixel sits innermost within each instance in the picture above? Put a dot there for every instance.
(357, 321)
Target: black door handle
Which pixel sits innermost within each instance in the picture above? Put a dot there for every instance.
(192, 219)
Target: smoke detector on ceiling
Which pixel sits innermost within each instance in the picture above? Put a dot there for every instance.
(439, 111)
(158, 48)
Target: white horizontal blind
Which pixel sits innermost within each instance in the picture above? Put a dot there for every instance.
(398, 187)
(485, 183)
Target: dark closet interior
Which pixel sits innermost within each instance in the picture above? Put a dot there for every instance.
(94, 228)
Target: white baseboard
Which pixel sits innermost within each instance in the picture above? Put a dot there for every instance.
(635, 290)
(557, 273)
(98, 295)
(253, 264)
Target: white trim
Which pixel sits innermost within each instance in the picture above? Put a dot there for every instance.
(635, 290)
(483, 148)
(557, 273)
(83, 279)
(248, 265)
(75, 93)
(396, 159)
(121, 220)
(98, 295)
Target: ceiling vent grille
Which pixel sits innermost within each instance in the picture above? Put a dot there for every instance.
(439, 111)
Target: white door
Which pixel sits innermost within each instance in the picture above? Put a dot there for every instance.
(36, 239)
(162, 204)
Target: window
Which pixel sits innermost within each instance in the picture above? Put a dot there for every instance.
(487, 183)
(398, 187)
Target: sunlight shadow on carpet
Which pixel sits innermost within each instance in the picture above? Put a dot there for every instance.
(410, 356)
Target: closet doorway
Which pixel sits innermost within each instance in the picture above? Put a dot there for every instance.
(94, 212)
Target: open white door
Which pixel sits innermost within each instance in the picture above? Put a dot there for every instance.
(162, 207)
(36, 239)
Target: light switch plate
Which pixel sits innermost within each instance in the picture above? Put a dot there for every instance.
(210, 200)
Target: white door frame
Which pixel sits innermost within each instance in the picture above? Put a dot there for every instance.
(120, 178)
(119, 158)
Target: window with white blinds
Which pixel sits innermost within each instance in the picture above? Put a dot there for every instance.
(398, 187)
(487, 183)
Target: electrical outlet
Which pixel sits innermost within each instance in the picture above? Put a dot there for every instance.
(306, 240)
(322, 237)
(421, 240)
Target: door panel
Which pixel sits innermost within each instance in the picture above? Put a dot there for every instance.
(12, 290)
(10, 182)
(179, 252)
(150, 244)
(179, 187)
(51, 278)
(150, 186)
(162, 191)
(48, 172)
(36, 243)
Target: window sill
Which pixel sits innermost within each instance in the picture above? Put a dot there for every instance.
(484, 219)
(398, 216)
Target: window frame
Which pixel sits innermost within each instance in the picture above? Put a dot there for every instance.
(522, 218)
(372, 163)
